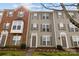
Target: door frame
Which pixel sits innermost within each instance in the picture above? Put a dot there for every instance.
(33, 34)
(64, 34)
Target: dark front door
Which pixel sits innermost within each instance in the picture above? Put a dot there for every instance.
(34, 41)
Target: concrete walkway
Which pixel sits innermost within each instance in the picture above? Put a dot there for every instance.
(29, 52)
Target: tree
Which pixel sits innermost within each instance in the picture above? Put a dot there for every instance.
(73, 21)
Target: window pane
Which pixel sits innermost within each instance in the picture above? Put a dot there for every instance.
(75, 43)
(18, 27)
(14, 27)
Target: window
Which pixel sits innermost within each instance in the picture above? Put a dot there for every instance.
(6, 26)
(21, 14)
(61, 26)
(34, 16)
(14, 27)
(46, 40)
(16, 40)
(75, 40)
(17, 26)
(59, 13)
(45, 16)
(45, 27)
(73, 28)
(34, 26)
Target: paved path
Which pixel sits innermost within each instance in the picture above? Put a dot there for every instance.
(29, 52)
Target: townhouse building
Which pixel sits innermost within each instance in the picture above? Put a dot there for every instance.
(38, 28)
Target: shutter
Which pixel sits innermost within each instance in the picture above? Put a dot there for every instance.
(41, 40)
(71, 41)
(31, 26)
(58, 26)
(51, 40)
(41, 28)
(68, 27)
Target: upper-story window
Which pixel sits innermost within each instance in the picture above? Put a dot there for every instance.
(6, 26)
(17, 26)
(73, 28)
(45, 16)
(34, 16)
(61, 26)
(59, 14)
(20, 13)
(45, 27)
(10, 13)
(34, 26)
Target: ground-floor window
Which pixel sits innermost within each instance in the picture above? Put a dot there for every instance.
(75, 40)
(46, 40)
(16, 40)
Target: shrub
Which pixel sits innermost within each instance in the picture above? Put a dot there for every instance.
(59, 47)
(23, 46)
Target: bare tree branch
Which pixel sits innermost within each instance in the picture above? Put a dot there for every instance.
(70, 18)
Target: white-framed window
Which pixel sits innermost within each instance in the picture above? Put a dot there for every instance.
(45, 16)
(73, 28)
(61, 26)
(6, 26)
(35, 14)
(46, 40)
(16, 40)
(45, 27)
(75, 40)
(34, 26)
(20, 13)
(59, 13)
(17, 26)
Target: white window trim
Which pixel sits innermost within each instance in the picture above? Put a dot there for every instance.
(45, 15)
(46, 36)
(15, 38)
(76, 39)
(72, 26)
(17, 23)
(45, 26)
(6, 33)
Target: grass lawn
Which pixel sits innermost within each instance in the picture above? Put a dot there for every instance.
(12, 53)
(54, 54)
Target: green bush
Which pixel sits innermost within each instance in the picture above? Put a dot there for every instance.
(23, 46)
(59, 47)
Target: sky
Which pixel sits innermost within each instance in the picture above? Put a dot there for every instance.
(30, 6)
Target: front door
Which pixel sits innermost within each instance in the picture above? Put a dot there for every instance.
(64, 41)
(34, 40)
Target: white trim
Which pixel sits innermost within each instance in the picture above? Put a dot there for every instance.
(64, 34)
(31, 39)
(6, 33)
